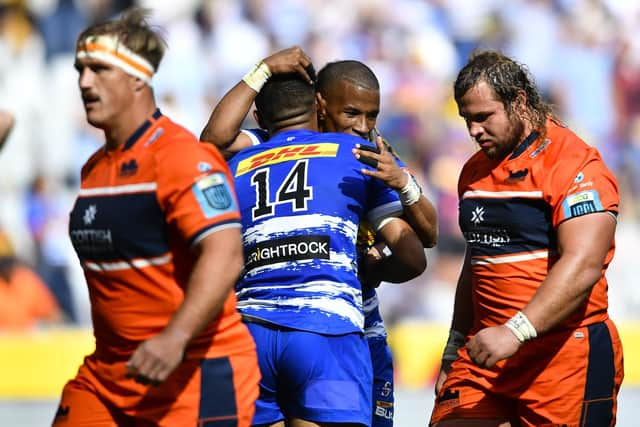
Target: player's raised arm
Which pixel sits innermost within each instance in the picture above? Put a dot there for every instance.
(223, 127)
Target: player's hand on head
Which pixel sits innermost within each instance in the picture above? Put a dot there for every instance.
(386, 167)
(155, 359)
(290, 60)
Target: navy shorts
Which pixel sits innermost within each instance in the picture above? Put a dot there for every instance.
(321, 378)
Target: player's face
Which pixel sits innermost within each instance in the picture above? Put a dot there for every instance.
(495, 130)
(105, 89)
(349, 108)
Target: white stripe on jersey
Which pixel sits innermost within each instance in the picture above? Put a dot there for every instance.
(326, 287)
(376, 330)
(382, 212)
(252, 136)
(127, 265)
(145, 187)
(323, 298)
(272, 227)
(370, 304)
(510, 258)
(502, 194)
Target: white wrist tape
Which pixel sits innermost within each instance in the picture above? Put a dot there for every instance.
(454, 342)
(411, 192)
(521, 327)
(257, 76)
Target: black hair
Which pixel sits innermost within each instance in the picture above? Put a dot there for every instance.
(285, 96)
(349, 70)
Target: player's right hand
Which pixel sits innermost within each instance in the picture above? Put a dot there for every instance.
(291, 60)
(155, 359)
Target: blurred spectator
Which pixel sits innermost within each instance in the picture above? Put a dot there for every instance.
(6, 124)
(25, 300)
(47, 214)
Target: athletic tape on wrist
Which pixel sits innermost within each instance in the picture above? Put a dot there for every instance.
(454, 342)
(411, 192)
(257, 76)
(521, 327)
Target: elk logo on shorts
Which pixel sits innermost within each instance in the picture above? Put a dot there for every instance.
(63, 411)
(449, 398)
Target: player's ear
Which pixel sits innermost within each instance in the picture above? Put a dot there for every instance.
(520, 103)
(321, 106)
(258, 119)
(137, 84)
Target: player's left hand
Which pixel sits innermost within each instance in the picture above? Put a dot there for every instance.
(492, 344)
(387, 168)
(155, 359)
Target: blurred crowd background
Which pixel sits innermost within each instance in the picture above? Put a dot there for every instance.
(584, 55)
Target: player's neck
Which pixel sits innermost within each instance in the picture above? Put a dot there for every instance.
(127, 123)
(305, 121)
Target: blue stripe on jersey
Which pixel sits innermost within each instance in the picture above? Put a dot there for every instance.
(141, 130)
(501, 226)
(295, 212)
(597, 409)
(217, 394)
(118, 227)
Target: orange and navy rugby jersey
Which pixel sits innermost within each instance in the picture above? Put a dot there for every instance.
(509, 213)
(140, 209)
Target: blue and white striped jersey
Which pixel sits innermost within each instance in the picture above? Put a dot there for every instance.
(302, 197)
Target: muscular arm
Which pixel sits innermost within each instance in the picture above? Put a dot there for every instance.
(407, 259)
(6, 124)
(223, 127)
(583, 243)
(424, 220)
(218, 265)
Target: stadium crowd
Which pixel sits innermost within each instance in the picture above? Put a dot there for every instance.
(585, 55)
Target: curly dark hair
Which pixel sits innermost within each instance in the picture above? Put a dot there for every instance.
(507, 78)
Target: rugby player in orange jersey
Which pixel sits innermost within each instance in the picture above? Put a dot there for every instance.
(531, 342)
(157, 232)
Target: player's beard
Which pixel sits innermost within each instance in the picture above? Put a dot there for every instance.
(514, 136)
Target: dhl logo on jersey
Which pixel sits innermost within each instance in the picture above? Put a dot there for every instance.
(283, 154)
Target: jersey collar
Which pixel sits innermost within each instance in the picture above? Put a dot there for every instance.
(524, 145)
(142, 129)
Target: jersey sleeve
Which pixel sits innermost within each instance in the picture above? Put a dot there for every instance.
(257, 136)
(195, 189)
(582, 187)
(385, 204)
